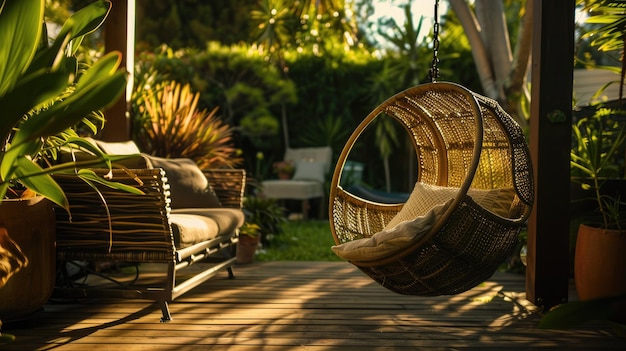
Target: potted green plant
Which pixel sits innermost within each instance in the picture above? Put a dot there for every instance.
(264, 218)
(599, 262)
(249, 240)
(44, 94)
(284, 169)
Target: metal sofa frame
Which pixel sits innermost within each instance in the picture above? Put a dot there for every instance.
(113, 225)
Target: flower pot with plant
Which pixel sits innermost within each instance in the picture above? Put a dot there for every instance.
(284, 169)
(264, 218)
(600, 262)
(249, 240)
(44, 94)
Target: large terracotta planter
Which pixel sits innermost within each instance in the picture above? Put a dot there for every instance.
(31, 224)
(600, 263)
(246, 248)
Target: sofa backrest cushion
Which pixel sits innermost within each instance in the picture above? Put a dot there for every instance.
(135, 159)
(322, 155)
(189, 188)
(127, 147)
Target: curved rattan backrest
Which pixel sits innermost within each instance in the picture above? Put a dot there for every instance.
(462, 140)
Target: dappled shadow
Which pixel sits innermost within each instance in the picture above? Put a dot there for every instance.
(313, 306)
(279, 305)
(65, 322)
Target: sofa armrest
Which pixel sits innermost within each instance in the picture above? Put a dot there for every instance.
(109, 223)
(228, 184)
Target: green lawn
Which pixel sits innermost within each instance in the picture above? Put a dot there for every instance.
(301, 241)
(311, 241)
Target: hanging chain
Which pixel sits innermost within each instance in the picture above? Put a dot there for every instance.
(433, 74)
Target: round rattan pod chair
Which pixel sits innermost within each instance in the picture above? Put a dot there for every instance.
(472, 196)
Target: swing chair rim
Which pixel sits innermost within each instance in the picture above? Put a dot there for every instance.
(418, 89)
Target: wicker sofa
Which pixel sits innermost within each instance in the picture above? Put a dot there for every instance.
(173, 225)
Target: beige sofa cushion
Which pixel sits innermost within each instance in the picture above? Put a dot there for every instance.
(193, 225)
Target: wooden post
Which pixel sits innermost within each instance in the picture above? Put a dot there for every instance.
(119, 35)
(547, 273)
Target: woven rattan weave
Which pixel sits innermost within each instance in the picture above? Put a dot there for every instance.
(462, 140)
(111, 225)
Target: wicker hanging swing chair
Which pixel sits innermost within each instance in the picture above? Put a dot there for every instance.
(473, 195)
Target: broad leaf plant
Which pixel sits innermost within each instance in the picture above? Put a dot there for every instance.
(45, 92)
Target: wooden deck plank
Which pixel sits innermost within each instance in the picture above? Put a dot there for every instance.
(307, 306)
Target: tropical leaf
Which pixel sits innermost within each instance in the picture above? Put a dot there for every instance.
(574, 314)
(39, 180)
(29, 94)
(98, 94)
(81, 23)
(89, 175)
(42, 101)
(20, 29)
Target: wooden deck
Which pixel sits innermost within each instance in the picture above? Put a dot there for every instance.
(306, 306)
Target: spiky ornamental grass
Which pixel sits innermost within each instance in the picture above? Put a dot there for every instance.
(171, 125)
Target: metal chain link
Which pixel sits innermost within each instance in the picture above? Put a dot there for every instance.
(433, 73)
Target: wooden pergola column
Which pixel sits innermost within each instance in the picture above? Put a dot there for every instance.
(547, 273)
(119, 35)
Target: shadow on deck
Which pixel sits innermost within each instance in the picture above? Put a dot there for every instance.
(307, 306)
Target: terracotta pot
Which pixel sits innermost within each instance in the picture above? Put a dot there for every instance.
(600, 263)
(284, 175)
(246, 248)
(31, 224)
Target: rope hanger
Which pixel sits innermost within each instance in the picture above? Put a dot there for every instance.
(433, 73)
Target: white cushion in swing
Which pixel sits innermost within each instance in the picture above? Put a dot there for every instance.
(425, 205)
(390, 241)
(426, 196)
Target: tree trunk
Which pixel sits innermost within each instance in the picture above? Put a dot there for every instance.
(502, 73)
(482, 60)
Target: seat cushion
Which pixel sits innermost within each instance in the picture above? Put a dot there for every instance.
(189, 188)
(391, 241)
(193, 225)
(426, 196)
(292, 189)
